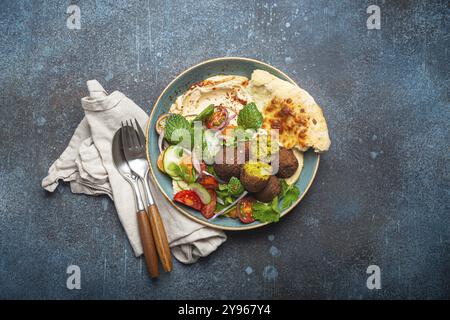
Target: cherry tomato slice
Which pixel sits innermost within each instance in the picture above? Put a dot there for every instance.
(208, 209)
(189, 198)
(232, 213)
(217, 118)
(245, 210)
(208, 182)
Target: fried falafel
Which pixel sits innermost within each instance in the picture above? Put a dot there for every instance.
(255, 175)
(231, 168)
(287, 163)
(270, 191)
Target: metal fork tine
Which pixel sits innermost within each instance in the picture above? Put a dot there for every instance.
(131, 144)
(140, 134)
(133, 135)
(133, 151)
(124, 136)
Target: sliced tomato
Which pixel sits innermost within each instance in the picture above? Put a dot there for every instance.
(232, 213)
(217, 119)
(208, 209)
(245, 210)
(189, 198)
(208, 182)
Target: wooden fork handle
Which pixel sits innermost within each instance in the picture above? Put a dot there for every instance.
(148, 244)
(159, 234)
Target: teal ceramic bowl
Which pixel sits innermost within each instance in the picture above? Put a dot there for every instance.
(209, 68)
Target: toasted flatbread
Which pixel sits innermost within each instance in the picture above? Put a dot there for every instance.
(291, 110)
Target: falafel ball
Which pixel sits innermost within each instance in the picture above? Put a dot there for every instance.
(270, 191)
(226, 170)
(255, 175)
(288, 163)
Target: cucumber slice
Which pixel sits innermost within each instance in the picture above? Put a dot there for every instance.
(172, 158)
(182, 185)
(201, 191)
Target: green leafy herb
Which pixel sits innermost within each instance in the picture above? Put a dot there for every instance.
(250, 117)
(235, 186)
(274, 205)
(176, 128)
(289, 194)
(229, 200)
(222, 194)
(210, 170)
(266, 212)
(227, 191)
(220, 207)
(183, 172)
(284, 187)
(223, 187)
(205, 114)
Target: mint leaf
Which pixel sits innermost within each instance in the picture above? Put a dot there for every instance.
(235, 186)
(250, 117)
(177, 127)
(231, 189)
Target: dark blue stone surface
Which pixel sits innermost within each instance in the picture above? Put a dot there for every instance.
(381, 195)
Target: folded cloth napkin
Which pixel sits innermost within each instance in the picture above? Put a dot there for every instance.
(88, 165)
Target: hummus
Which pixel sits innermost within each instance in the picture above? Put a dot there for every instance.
(228, 91)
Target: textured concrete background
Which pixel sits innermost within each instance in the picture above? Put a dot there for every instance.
(381, 195)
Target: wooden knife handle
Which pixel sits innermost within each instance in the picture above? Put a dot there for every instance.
(159, 234)
(150, 255)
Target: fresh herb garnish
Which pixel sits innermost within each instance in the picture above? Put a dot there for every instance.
(220, 207)
(210, 170)
(177, 127)
(266, 212)
(235, 186)
(250, 117)
(270, 212)
(289, 194)
(231, 189)
(183, 172)
(205, 114)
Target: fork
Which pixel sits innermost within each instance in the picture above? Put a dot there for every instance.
(134, 145)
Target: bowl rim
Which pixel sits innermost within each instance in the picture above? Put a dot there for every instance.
(179, 208)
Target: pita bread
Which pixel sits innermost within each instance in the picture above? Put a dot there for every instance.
(290, 109)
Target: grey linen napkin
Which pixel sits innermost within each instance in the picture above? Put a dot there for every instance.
(87, 164)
